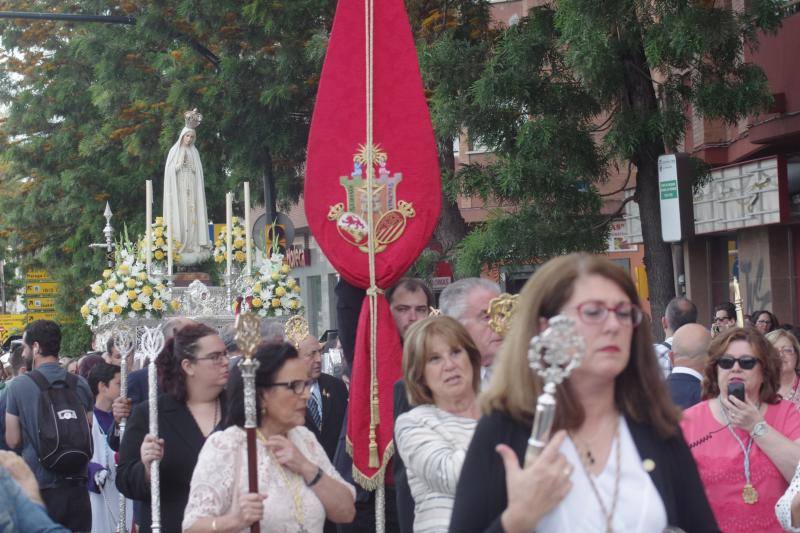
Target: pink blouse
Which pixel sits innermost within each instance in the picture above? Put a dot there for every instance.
(720, 461)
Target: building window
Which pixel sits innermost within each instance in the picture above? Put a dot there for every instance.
(333, 279)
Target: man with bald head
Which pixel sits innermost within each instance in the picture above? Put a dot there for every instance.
(327, 404)
(689, 354)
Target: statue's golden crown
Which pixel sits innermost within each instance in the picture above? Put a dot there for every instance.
(192, 118)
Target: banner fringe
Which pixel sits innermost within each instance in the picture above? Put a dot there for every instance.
(366, 482)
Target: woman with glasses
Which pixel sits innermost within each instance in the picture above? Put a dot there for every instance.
(746, 448)
(193, 372)
(298, 486)
(618, 461)
(764, 321)
(788, 348)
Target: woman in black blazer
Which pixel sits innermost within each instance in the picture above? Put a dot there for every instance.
(618, 461)
(193, 372)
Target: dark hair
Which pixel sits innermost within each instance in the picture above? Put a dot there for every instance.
(110, 345)
(680, 311)
(47, 333)
(102, 372)
(87, 363)
(774, 324)
(271, 357)
(411, 285)
(182, 345)
(639, 393)
(728, 307)
(763, 350)
(15, 359)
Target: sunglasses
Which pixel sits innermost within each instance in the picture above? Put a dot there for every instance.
(747, 362)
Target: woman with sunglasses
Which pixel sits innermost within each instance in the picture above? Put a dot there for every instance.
(297, 485)
(193, 372)
(617, 461)
(746, 450)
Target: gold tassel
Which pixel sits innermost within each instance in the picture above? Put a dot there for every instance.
(375, 413)
(373, 448)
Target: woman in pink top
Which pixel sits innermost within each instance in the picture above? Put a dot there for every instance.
(746, 452)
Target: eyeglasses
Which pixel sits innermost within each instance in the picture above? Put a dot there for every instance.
(595, 312)
(298, 386)
(726, 362)
(787, 351)
(767, 322)
(216, 358)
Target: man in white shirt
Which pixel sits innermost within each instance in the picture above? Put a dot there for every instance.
(679, 311)
(690, 352)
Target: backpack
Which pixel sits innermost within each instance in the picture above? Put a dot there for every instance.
(65, 439)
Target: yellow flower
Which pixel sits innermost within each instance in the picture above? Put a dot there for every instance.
(112, 297)
(276, 302)
(107, 273)
(257, 286)
(290, 282)
(285, 269)
(218, 243)
(294, 304)
(296, 289)
(132, 294)
(158, 232)
(136, 305)
(159, 242)
(103, 308)
(85, 311)
(130, 283)
(238, 243)
(159, 255)
(159, 221)
(219, 258)
(280, 291)
(158, 305)
(160, 287)
(97, 289)
(117, 310)
(240, 256)
(175, 304)
(275, 276)
(124, 269)
(234, 220)
(147, 290)
(257, 302)
(142, 275)
(110, 284)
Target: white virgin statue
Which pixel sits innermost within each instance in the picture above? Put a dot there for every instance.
(185, 195)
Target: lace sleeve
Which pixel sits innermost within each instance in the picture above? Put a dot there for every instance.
(214, 477)
(783, 509)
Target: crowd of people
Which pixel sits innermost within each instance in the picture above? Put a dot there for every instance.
(700, 432)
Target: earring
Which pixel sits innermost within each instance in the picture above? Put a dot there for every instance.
(263, 411)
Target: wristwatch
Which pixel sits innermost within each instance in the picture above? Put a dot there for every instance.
(759, 430)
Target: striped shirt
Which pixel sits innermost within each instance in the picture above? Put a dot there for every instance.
(432, 444)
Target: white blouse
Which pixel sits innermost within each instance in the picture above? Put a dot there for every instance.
(783, 509)
(639, 507)
(222, 468)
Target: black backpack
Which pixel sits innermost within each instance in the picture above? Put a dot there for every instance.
(65, 439)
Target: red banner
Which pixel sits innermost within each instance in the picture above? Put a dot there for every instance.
(406, 192)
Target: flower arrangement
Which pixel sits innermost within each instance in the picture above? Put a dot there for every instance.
(273, 291)
(127, 291)
(238, 242)
(160, 247)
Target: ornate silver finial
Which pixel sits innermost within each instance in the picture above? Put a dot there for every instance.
(557, 351)
(152, 342)
(553, 354)
(192, 119)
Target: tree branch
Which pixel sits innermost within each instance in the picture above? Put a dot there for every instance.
(610, 218)
(624, 185)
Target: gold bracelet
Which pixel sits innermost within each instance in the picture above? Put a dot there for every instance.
(214, 525)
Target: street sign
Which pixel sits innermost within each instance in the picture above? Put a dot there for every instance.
(439, 283)
(37, 274)
(675, 195)
(40, 304)
(10, 324)
(48, 288)
(49, 315)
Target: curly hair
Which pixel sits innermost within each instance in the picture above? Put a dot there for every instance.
(183, 345)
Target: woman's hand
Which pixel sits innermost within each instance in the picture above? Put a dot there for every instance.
(742, 415)
(536, 489)
(152, 450)
(287, 454)
(247, 508)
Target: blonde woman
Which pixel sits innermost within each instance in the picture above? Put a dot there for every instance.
(441, 369)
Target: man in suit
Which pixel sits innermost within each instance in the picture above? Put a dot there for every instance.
(680, 311)
(328, 402)
(690, 353)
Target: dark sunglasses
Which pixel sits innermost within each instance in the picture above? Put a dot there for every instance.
(747, 362)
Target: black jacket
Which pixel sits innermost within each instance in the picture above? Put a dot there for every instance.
(481, 492)
(684, 389)
(334, 406)
(403, 497)
(182, 443)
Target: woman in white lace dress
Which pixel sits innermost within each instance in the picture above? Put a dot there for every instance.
(297, 485)
(441, 369)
